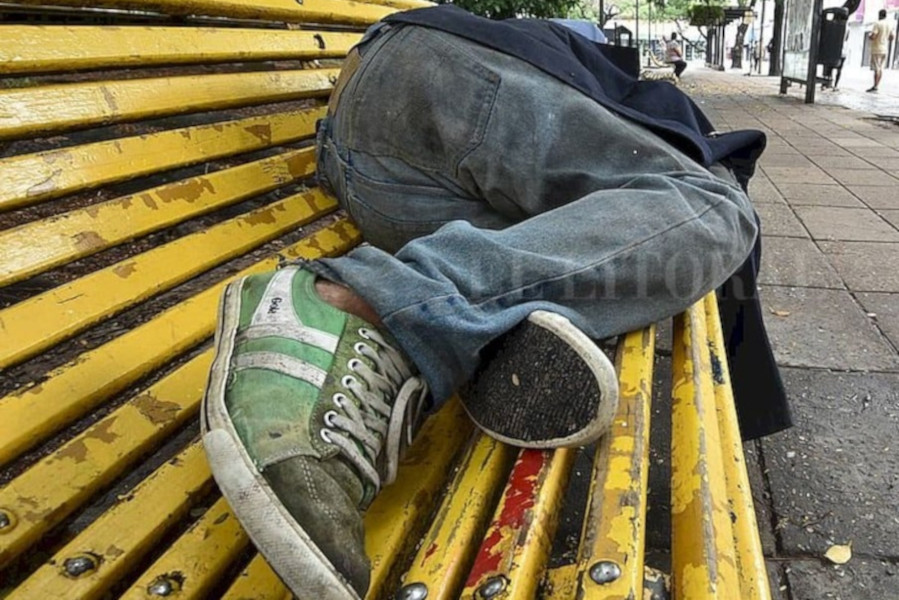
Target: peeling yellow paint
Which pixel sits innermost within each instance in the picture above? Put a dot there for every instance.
(615, 524)
(86, 241)
(52, 108)
(703, 556)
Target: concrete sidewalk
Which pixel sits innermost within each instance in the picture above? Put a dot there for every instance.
(851, 93)
(828, 194)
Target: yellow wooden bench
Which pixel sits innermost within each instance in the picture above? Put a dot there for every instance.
(144, 165)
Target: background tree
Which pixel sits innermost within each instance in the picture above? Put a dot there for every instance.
(736, 59)
(706, 17)
(776, 38)
(506, 9)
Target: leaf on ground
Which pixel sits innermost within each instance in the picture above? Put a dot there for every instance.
(780, 313)
(839, 555)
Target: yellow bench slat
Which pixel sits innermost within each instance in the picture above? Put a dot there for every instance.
(517, 544)
(32, 178)
(442, 562)
(403, 4)
(40, 48)
(559, 583)
(615, 524)
(196, 561)
(54, 108)
(703, 562)
(41, 321)
(124, 534)
(399, 513)
(754, 584)
(57, 485)
(309, 11)
(36, 247)
(257, 582)
(72, 390)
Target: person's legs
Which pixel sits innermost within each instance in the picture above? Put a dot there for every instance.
(502, 192)
(877, 61)
(614, 228)
(679, 67)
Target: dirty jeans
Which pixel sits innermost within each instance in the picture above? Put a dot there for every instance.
(487, 189)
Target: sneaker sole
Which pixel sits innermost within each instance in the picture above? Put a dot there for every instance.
(302, 566)
(547, 385)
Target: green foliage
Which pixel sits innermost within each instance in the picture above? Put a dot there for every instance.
(706, 15)
(660, 10)
(505, 9)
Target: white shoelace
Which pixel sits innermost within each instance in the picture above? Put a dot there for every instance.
(374, 423)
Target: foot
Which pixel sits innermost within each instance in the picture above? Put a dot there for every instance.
(872, 89)
(544, 384)
(305, 415)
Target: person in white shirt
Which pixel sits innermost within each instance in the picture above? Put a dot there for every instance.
(881, 35)
(673, 55)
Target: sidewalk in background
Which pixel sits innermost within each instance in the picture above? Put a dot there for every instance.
(827, 190)
(851, 91)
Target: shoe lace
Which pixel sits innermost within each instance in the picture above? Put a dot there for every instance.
(373, 421)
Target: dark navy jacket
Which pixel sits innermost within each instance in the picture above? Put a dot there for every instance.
(598, 71)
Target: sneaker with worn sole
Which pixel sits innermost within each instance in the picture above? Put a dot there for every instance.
(306, 412)
(544, 384)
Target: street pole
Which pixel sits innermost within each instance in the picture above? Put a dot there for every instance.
(637, 28)
(762, 46)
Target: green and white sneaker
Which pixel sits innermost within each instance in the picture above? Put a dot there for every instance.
(306, 413)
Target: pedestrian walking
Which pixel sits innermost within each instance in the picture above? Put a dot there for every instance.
(881, 35)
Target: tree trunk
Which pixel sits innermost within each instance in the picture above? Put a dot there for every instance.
(736, 53)
(776, 37)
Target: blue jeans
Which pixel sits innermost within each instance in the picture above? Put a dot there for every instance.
(487, 189)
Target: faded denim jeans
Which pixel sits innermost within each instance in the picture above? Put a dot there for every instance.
(487, 189)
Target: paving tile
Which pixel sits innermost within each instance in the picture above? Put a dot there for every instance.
(875, 152)
(860, 579)
(873, 177)
(885, 308)
(865, 266)
(891, 165)
(814, 150)
(851, 224)
(761, 191)
(876, 196)
(833, 475)
(818, 195)
(823, 328)
(778, 219)
(841, 162)
(813, 174)
(785, 160)
(796, 262)
(890, 215)
(856, 141)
